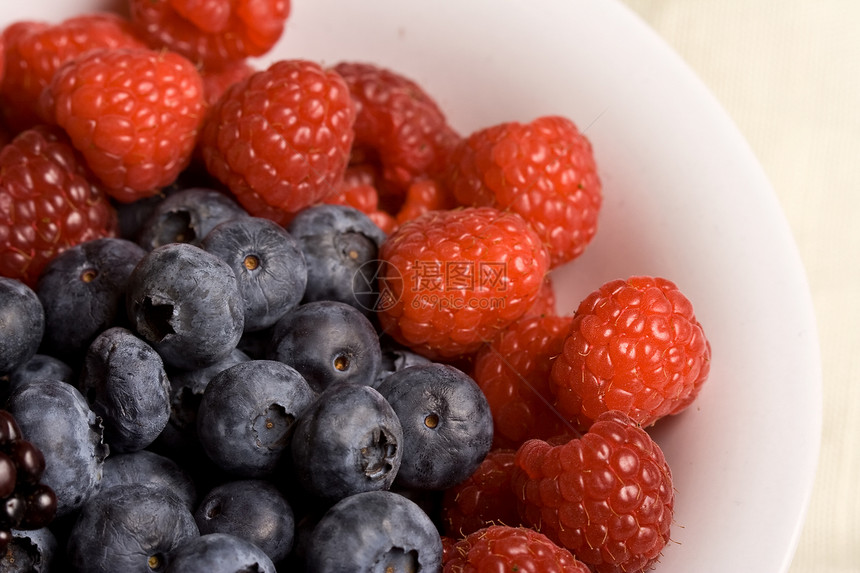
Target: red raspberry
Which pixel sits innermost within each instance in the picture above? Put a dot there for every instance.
(36, 50)
(545, 305)
(216, 82)
(2, 59)
(513, 371)
(484, 499)
(280, 139)
(211, 33)
(384, 221)
(453, 279)
(47, 203)
(500, 548)
(633, 346)
(607, 497)
(422, 196)
(134, 114)
(544, 170)
(362, 197)
(397, 125)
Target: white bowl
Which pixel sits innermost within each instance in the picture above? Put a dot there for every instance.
(684, 199)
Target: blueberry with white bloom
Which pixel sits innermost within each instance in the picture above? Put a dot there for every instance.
(186, 303)
(268, 263)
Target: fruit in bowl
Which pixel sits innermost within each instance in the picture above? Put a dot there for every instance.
(439, 237)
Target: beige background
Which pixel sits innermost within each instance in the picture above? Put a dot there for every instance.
(788, 72)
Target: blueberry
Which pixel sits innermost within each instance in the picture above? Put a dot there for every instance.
(179, 437)
(394, 359)
(56, 418)
(256, 343)
(327, 342)
(246, 414)
(341, 245)
(39, 367)
(254, 510)
(129, 528)
(83, 292)
(348, 441)
(447, 425)
(376, 531)
(131, 217)
(31, 551)
(22, 321)
(187, 216)
(185, 302)
(149, 468)
(219, 553)
(268, 263)
(124, 382)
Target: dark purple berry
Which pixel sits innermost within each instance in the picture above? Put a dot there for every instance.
(5, 539)
(29, 460)
(12, 511)
(40, 508)
(7, 476)
(9, 430)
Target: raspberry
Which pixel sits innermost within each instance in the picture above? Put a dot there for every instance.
(545, 305)
(484, 499)
(134, 114)
(513, 372)
(422, 196)
(397, 125)
(384, 221)
(47, 203)
(362, 197)
(607, 497)
(503, 548)
(280, 139)
(36, 50)
(216, 82)
(365, 198)
(211, 33)
(633, 346)
(451, 280)
(544, 170)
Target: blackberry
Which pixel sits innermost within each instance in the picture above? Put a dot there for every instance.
(25, 502)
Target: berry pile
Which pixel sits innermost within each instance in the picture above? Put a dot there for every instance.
(25, 502)
(291, 319)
